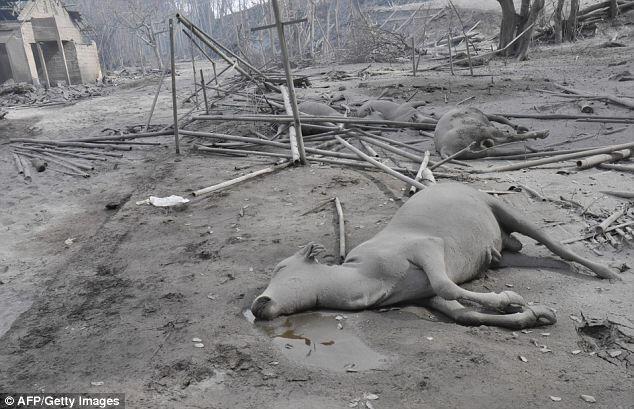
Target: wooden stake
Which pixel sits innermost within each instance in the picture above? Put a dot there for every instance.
(342, 231)
(289, 80)
(174, 97)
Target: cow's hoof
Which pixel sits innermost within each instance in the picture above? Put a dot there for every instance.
(513, 302)
(606, 272)
(543, 315)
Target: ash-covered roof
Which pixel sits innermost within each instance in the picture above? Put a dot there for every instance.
(11, 9)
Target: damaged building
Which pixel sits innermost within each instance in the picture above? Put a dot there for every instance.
(44, 42)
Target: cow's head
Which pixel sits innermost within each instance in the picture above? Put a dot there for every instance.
(292, 289)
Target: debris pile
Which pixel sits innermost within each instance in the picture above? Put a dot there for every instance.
(129, 74)
(23, 94)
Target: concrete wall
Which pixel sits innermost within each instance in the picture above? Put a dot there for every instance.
(47, 21)
(12, 40)
(88, 58)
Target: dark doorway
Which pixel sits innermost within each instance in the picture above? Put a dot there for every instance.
(5, 65)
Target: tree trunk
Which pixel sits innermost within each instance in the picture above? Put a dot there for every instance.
(558, 21)
(509, 24)
(571, 23)
(523, 17)
(613, 10)
(525, 41)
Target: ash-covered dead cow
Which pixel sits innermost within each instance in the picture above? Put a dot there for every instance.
(444, 236)
(462, 127)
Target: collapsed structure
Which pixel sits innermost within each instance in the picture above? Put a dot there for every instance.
(44, 42)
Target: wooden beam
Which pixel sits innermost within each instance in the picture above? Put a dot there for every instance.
(286, 23)
(174, 97)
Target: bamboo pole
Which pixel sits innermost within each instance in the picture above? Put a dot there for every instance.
(72, 144)
(206, 38)
(368, 148)
(384, 139)
(18, 164)
(264, 142)
(292, 133)
(204, 88)
(229, 183)
(466, 37)
(452, 157)
(562, 116)
(603, 226)
(121, 137)
(419, 174)
(317, 120)
(60, 152)
(619, 193)
(555, 159)
(345, 162)
(621, 168)
(220, 50)
(450, 53)
(342, 230)
(379, 165)
(79, 172)
(593, 161)
(174, 97)
(27, 171)
(289, 80)
(156, 95)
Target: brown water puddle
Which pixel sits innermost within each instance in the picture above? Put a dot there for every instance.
(314, 339)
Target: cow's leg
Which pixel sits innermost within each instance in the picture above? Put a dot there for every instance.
(504, 121)
(512, 221)
(511, 243)
(429, 256)
(529, 317)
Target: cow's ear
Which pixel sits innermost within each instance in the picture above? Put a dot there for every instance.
(311, 250)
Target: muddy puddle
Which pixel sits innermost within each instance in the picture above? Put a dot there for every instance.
(12, 304)
(322, 340)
